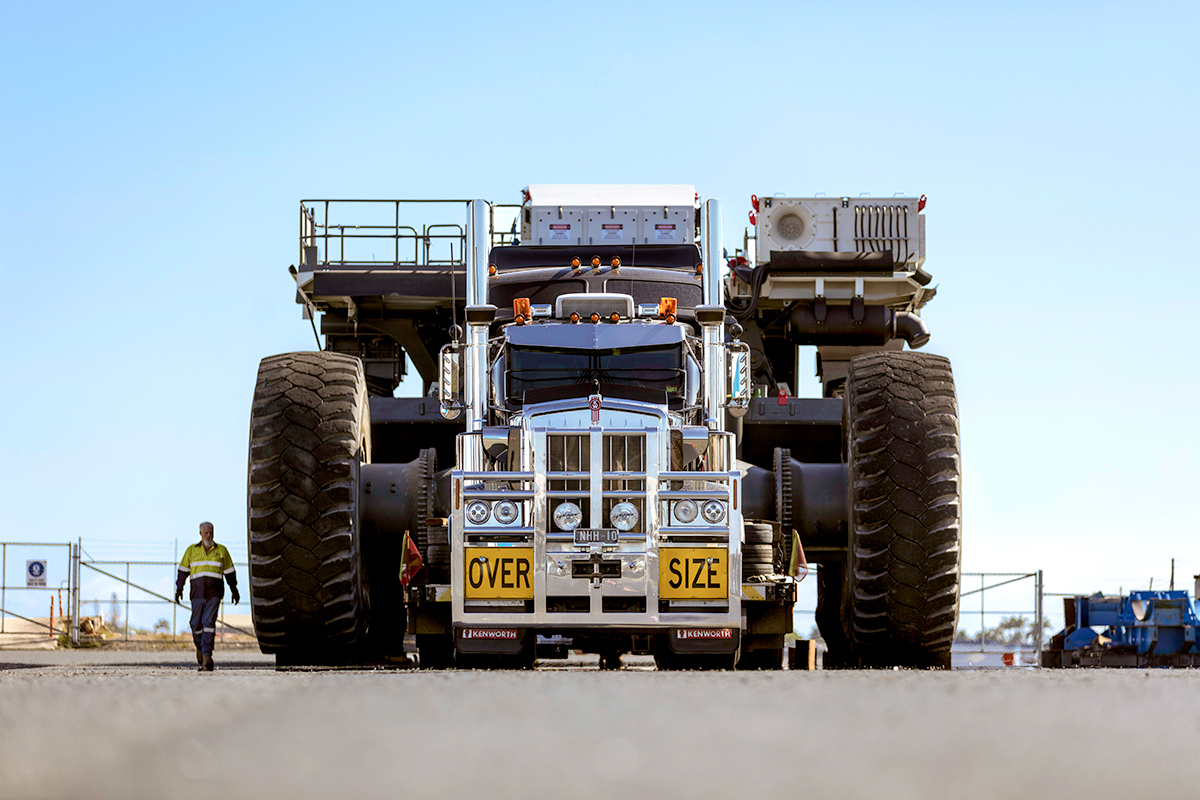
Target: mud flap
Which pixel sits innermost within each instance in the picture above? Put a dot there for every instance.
(494, 641)
(720, 641)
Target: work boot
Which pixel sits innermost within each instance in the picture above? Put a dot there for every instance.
(208, 664)
(199, 656)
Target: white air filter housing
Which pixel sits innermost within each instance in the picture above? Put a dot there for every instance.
(842, 225)
(787, 224)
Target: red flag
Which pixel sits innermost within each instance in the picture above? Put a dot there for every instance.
(411, 562)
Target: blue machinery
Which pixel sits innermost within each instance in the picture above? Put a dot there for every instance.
(1141, 629)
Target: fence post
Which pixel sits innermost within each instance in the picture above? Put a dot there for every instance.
(126, 601)
(74, 595)
(982, 615)
(1037, 618)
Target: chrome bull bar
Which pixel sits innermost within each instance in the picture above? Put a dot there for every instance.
(559, 600)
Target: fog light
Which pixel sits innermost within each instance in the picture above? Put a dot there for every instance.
(478, 512)
(686, 511)
(567, 516)
(624, 516)
(506, 512)
(713, 511)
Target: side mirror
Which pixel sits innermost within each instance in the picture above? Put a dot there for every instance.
(449, 391)
(739, 385)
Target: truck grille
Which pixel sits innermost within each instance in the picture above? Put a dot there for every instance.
(569, 453)
(626, 453)
(573, 453)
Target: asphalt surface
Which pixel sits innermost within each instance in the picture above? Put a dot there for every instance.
(145, 725)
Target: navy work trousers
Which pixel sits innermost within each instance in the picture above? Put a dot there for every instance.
(204, 622)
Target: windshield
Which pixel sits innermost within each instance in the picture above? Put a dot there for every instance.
(656, 368)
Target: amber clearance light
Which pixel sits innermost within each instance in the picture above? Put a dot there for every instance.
(667, 306)
(522, 309)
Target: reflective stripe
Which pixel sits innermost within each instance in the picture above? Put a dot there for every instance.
(214, 564)
(210, 630)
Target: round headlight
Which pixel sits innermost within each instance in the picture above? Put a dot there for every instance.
(506, 512)
(686, 511)
(567, 516)
(624, 516)
(713, 511)
(478, 512)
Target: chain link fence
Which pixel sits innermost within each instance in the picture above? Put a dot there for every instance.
(1001, 620)
(35, 591)
(47, 588)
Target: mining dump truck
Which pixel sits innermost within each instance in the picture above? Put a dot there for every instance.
(606, 453)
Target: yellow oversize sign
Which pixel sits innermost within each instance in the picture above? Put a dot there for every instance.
(499, 572)
(693, 572)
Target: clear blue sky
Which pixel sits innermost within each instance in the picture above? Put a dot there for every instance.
(152, 157)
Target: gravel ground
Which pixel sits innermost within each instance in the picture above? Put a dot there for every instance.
(101, 724)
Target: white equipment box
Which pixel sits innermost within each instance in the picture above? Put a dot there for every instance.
(842, 225)
(582, 214)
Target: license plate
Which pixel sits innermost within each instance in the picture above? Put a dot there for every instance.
(498, 572)
(596, 536)
(693, 572)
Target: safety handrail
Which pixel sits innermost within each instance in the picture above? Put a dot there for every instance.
(412, 244)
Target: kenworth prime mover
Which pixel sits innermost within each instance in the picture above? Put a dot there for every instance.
(628, 469)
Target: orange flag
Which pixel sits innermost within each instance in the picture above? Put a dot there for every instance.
(410, 563)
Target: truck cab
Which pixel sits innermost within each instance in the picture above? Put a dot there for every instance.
(595, 498)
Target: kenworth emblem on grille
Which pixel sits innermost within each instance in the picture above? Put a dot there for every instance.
(594, 404)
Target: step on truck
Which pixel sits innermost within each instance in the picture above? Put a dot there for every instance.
(606, 454)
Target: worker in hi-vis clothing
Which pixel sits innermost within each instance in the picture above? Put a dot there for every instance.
(209, 565)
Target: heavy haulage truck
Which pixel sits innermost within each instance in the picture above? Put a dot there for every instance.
(629, 471)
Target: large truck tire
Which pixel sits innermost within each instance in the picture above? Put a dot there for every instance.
(905, 508)
(309, 432)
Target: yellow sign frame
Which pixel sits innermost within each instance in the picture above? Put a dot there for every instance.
(703, 565)
(496, 572)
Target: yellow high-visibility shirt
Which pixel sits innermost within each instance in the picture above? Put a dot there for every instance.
(207, 570)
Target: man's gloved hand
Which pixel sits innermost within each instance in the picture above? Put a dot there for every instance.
(237, 598)
(179, 595)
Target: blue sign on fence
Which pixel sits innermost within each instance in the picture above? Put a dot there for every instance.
(35, 573)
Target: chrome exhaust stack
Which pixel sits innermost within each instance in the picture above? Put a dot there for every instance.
(479, 318)
(711, 317)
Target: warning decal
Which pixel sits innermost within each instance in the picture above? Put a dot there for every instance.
(612, 232)
(664, 231)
